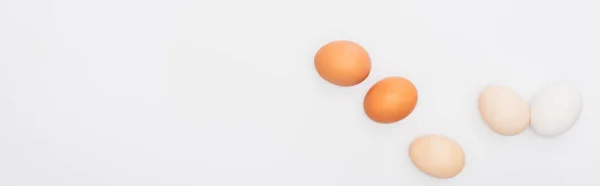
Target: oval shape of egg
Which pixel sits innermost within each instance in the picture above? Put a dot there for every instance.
(555, 109)
(343, 63)
(437, 156)
(390, 100)
(504, 111)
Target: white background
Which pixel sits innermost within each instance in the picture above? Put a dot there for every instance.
(224, 93)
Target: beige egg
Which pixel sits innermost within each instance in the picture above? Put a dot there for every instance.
(437, 156)
(504, 111)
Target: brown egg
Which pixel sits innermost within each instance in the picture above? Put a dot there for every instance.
(343, 63)
(437, 156)
(390, 100)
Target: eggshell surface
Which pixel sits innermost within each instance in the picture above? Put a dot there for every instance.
(555, 109)
(504, 111)
(390, 100)
(343, 63)
(437, 156)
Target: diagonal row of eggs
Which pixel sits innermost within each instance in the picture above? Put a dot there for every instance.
(552, 111)
(345, 63)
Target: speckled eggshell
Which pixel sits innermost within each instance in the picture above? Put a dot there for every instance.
(555, 109)
(503, 110)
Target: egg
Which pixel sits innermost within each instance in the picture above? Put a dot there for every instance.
(504, 111)
(390, 100)
(343, 63)
(437, 156)
(555, 109)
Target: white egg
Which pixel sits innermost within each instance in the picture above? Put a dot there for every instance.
(555, 109)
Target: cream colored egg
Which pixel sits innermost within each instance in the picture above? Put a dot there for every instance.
(437, 156)
(504, 111)
(555, 109)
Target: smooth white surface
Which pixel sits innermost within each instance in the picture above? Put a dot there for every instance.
(223, 93)
(555, 109)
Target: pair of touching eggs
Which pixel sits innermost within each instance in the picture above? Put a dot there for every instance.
(345, 63)
(552, 111)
